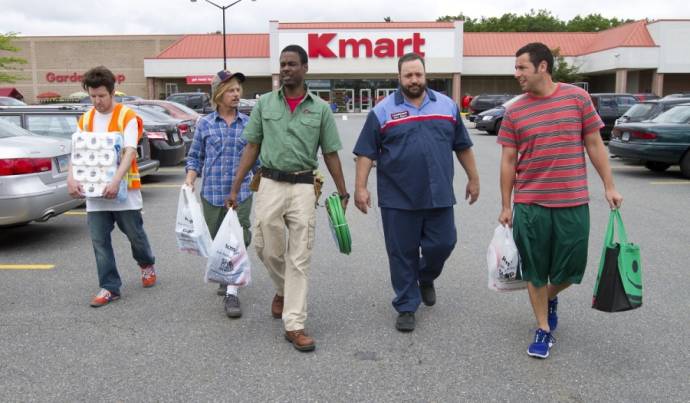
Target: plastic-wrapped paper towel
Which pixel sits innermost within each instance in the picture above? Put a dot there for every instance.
(93, 141)
(107, 174)
(79, 141)
(93, 174)
(94, 189)
(79, 173)
(106, 158)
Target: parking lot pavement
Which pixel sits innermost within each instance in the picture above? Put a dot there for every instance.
(173, 342)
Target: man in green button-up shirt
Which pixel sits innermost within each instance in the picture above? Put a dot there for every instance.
(285, 130)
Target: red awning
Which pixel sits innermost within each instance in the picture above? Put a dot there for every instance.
(11, 92)
(47, 95)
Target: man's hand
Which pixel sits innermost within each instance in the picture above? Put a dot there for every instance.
(614, 198)
(75, 189)
(472, 191)
(362, 199)
(506, 217)
(190, 182)
(111, 190)
(231, 200)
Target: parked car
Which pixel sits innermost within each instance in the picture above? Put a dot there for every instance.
(649, 109)
(490, 120)
(659, 143)
(10, 101)
(246, 106)
(645, 96)
(610, 107)
(187, 116)
(678, 95)
(199, 101)
(483, 102)
(167, 146)
(61, 121)
(33, 176)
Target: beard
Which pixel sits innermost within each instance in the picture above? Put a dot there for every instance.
(413, 91)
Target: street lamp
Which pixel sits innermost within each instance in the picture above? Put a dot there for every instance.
(225, 53)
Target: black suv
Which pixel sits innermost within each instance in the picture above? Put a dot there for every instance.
(61, 121)
(483, 102)
(199, 101)
(610, 107)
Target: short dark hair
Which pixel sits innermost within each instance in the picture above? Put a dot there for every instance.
(99, 76)
(408, 57)
(303, 58)
(538, 52)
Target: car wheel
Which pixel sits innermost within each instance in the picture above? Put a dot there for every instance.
(685, 165)
(497, 127)
(656, 166)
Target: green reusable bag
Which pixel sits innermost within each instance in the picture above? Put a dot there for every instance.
(619, 282)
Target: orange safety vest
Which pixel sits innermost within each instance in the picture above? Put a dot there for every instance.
(122, 115)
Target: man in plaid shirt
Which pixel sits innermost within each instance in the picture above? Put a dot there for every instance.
(215, 155)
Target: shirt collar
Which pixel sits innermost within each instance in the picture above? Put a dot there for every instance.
(400, 98)
(215, 116)
(307, 94)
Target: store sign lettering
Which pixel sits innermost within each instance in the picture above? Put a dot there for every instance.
(75, 77)
(318, 45)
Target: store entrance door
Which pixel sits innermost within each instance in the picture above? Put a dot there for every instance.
(383, 92)
(344, 99)
(365, 99)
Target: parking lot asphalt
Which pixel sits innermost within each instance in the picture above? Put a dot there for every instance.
(174, 343)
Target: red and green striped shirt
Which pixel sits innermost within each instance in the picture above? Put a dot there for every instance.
(548, 133)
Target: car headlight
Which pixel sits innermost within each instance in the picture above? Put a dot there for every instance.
(487, 117)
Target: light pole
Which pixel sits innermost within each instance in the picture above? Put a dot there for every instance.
(225, 52)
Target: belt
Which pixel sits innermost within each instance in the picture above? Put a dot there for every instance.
(280, 176)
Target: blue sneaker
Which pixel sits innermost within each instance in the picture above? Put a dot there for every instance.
(543, 341)
(553, 315)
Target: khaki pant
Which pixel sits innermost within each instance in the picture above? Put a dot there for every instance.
(277, 206)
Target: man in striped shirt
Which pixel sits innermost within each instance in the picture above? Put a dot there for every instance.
(544, 135)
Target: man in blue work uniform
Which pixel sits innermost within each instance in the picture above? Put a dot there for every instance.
(412, 135)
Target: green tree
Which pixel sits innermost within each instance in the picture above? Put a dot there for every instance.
(562, 71)
(534, 21)
(9, 63)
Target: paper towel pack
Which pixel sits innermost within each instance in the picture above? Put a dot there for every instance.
(95, 158)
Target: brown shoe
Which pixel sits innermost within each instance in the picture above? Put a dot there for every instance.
(300, 340)
(277, 306)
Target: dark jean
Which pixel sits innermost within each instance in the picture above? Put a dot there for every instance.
(130, 222)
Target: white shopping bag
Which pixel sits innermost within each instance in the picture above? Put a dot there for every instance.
(503, 262)
(228, 262)
(191, 230)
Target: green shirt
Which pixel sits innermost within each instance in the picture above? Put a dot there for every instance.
(289, 140)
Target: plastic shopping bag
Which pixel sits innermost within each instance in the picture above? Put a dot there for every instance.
(228, 262)
(619, 282)
(191, 230)
(503, 262)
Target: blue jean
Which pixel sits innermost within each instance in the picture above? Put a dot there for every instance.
(418, 243)
(130, 222)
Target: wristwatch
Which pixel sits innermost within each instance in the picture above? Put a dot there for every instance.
(346, 196)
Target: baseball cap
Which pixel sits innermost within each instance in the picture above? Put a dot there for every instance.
(223, 76)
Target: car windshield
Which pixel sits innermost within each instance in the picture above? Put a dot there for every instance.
(677, 114)
(184, 108)
(639, 110)
(10, 130)
(9, 101)
(150, 114)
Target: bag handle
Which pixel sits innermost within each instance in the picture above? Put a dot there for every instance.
(615, 220)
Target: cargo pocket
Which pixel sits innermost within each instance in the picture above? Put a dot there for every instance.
(311, 231)
(258, 237)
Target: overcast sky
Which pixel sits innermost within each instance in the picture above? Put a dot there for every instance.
(80, 17)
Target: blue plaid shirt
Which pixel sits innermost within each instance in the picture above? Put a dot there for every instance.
(215, 156)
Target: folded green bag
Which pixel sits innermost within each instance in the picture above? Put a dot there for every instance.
(338, 224)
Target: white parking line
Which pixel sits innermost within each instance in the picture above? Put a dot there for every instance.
(681, 182)
(27, 266)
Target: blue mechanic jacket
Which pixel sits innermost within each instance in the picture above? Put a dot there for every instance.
(414, 148)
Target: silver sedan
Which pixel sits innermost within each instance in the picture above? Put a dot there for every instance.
(33, 176)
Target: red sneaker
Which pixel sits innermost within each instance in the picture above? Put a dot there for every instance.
(104, 297)
(148, 276)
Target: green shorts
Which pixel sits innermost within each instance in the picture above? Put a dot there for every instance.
(552, 242)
